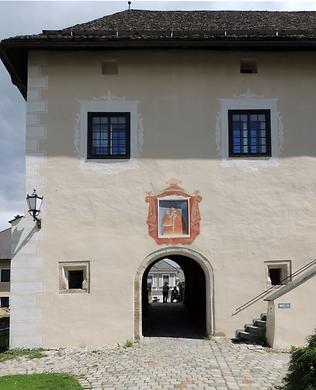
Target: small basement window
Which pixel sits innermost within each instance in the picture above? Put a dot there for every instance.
(109, 67)
(74, 277)
(248, 66)
(275, 276)
(278, 272)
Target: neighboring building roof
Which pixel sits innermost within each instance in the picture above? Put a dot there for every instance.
(18, 216)
(164, 266)
(5, 244)
(308, 274)
(168, 29)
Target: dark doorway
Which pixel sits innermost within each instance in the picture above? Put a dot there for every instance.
(179, 319)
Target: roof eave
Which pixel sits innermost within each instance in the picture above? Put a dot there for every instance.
(14, 52)
(15, 77)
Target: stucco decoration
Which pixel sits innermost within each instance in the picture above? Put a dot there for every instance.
(173, 215)
(28, 261)
(249, 101)
(108, 103)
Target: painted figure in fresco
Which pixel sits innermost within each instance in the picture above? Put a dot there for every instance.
(165, 291)
(173, 223)
(167, 230)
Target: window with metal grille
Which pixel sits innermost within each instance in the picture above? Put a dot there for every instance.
(108, 135)
(249, 133)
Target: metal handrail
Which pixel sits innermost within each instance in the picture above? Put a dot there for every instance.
(265, 292)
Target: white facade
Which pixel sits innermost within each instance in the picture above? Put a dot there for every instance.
(243, 214)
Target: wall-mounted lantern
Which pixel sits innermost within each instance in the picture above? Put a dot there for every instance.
(34, 203)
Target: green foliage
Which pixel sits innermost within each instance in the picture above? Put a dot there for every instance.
(7, 354)
(39, 382)
(128, 344)
(15, 353)
(302, 370)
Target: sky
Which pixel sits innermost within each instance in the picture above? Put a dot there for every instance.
(29, 17)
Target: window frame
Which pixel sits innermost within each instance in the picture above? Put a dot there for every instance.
(285, 267)
(248, 112)
(5, 269)
(163, 281)
(65, 267)
(92, 156)
(6, 299)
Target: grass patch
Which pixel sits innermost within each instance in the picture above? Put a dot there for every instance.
(128, 344)
(7, 354)
(39, 382)
(19, 352)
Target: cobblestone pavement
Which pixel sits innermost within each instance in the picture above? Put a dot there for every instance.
(164, 363)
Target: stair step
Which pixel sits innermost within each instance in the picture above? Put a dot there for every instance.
(242, 334)
(259, 323)
(255, 330)
(252, 333)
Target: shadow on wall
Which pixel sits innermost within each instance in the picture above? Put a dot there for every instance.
(17, 233)
(165, 138)
(179, 106)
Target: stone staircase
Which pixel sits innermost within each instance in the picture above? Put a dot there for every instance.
(253, 333)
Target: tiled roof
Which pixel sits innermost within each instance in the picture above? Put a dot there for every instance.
(141, 24)
(229, 30)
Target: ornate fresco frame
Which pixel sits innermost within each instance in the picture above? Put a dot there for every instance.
(173, 190)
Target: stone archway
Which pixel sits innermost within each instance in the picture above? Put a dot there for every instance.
(167, 252)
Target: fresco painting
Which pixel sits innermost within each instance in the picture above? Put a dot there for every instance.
(173, 215)
(173, 218)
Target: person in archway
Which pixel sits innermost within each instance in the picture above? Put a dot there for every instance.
(165, 291)
(174, 294)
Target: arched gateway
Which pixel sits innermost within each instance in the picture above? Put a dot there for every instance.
(180, 255)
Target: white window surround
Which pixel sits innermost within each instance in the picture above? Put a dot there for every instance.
(108, 104)
(65, 267)
(249, 102)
